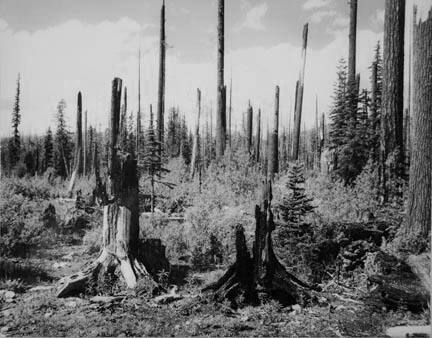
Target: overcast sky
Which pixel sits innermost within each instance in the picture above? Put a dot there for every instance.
(61, 47)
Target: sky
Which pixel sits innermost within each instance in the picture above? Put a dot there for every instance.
(61, 47)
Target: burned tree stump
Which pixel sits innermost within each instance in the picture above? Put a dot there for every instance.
(238, 282)
(120, 232)
(261, 275)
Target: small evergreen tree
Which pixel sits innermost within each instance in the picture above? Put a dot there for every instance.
(185, 145)
(294, 234)
(63, 143)
(15, 141)
(48, 157)
(150, 161)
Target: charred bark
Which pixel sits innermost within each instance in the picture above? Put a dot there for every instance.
(262, 275)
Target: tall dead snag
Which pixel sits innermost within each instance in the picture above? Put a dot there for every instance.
(258, 137)
(78, 159)
(259, 275)
(420, 185)
(120, 233)
(273, 155)
(138, 136)
(352, 42)
(221, 102)
(229, 117)
(249, 128)
(393, 81)
(317, 137)
(196, 142)
(161, 85)
(85, 151)
(299, 96)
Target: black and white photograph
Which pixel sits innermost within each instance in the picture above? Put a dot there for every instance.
(224, 168)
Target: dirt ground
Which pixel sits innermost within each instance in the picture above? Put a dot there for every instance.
(37, 312)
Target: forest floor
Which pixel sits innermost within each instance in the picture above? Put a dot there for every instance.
(36, 311)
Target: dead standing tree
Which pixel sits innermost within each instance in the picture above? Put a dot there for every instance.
(273, 151)
(259, 274)
(161, 84)
(221, 89)
(120, 233)
(299, 97)
(196, 142)
(78, 160)
(249, 126)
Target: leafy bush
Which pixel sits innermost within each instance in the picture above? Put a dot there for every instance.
(337, 202)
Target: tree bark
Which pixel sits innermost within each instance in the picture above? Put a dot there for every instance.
(420, 186)
(196, 143)
(273, 160)
(220, 108)
(393, 81)
(299, 97)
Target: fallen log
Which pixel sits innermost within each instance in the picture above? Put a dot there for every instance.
(394, 284)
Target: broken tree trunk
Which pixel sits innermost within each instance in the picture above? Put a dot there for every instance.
(249, 128)
(250, 279)
(196, 144)
(299, 97)
(120, 242)
(273, 158)
(220, 105)
(78, 161)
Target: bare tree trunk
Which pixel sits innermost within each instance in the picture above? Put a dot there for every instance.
(420, 182)
(230, 116)
(85, 151)
(78, 161)
(352, 42)
(196, 150)
(393, 80)
(220, 113)
(138, 137)
(258, 137)
(249, 125)
(161, 86)
(299, 96)
(273, 161)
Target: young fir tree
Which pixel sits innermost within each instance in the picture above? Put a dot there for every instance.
(15, 141)
(338, 118)
(48, 157)
(185, 145)
(150, 161)
(294, 234)
(173, 130)
(63, 143)
(375, 106)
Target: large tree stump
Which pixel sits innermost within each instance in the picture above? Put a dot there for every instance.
(262, 274)
(120, 239)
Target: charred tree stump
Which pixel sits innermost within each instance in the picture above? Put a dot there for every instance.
(238, 280)
(262, 274)
(120, 239)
